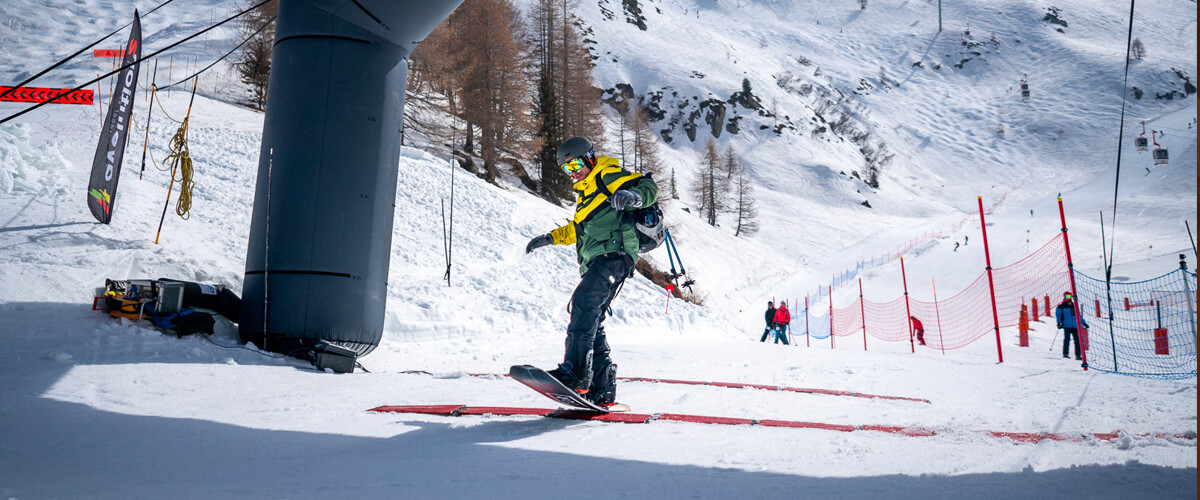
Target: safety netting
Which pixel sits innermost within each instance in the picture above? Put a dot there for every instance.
(816, 326)
(1144, 328)
(964, 317)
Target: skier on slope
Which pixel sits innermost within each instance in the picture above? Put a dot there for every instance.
(770, 317)
(918, 328)
(1064, 315)
(782, 319)
(606, 245)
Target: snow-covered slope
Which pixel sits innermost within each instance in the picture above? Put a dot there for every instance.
(955, 122)
(98, 408)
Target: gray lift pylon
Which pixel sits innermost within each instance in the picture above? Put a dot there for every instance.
(321, 230)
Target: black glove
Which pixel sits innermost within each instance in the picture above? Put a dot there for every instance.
(625, 198)
(1060, 326)
(539, 242)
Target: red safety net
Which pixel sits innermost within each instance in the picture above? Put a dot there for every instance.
(887, 320)
(1040, 274)
(848, 321)
(963, 318)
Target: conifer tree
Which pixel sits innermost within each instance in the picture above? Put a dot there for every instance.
(495, 93)
(562, 62)
(645, 149)
(1136, 49)
(254, 62)
(744, 204)
(555, 185)
(710, 184)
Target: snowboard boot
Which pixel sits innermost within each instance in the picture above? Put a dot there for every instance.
(565, 373)
(604, 387)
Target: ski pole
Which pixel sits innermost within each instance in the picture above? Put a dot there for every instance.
(1053, 339)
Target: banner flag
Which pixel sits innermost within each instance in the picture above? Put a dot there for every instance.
(40, 94)
(106, 167)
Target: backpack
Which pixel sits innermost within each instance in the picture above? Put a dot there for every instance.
(185, 322)
(647, 221)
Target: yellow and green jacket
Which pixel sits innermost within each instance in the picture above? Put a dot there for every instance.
(597, 228)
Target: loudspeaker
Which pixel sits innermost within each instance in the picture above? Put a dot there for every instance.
(337, 358)
(170, 297)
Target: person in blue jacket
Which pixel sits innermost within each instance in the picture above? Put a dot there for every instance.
(1064, 315)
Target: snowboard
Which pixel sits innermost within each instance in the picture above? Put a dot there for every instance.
(546, 385)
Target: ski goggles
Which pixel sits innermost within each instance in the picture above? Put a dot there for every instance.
(574, 165)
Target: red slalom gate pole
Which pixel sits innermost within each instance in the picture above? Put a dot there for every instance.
(1062, 216)
(862, 307)
(807, 337)
(991, 284)
(907, 309)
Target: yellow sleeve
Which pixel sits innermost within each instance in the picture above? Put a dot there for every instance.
(564, 235)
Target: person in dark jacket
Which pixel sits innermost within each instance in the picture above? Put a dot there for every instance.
(770, 317)
(1064, 315)
(918, 328)
(782, 319)
(606, 247)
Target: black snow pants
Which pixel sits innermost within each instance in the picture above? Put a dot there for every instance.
(587, 351)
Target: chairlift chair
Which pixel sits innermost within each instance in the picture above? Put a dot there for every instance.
(1140, 142)
(1024, 89)
(1160, 153)
(1160, 156)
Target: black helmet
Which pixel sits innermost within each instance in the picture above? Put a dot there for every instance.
(577, 147)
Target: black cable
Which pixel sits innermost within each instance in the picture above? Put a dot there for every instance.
(115, 71)
(240, 347)
(72, 56)
(222, 58)
(1193, 240)
(1120, 143)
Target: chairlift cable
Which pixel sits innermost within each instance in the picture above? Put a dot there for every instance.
(222, 58)
(1120, 141)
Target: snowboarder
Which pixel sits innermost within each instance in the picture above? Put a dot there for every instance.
(606, 246)
(782, 318)
(1064, 314)
(956, 246)
(918, 328)
(770, 317)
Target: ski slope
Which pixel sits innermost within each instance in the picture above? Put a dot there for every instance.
(95, 407)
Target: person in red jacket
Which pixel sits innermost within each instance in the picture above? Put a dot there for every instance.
(918, 328)
(782, 318)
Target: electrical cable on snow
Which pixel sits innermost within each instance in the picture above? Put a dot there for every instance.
(115, 71)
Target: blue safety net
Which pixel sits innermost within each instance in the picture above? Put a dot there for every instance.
(1145, 328)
